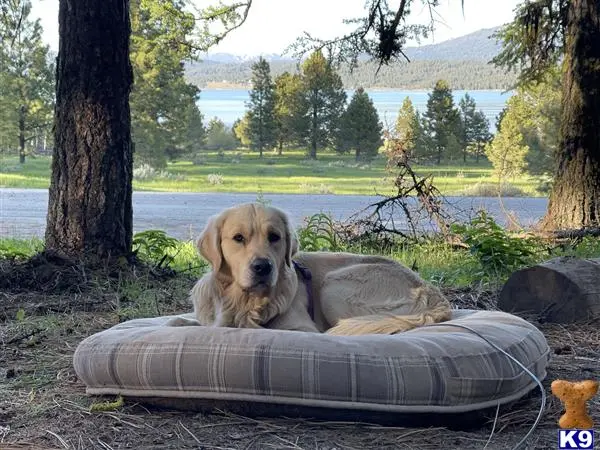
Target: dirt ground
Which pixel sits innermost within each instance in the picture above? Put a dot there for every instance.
(44, 406)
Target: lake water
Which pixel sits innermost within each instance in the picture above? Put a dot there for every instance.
(230, 104)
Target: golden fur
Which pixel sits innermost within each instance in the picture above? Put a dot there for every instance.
(352, 294)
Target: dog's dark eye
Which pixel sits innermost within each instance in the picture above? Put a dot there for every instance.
(238, 238)
(273, 237)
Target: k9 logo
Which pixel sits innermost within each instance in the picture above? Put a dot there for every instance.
(576, 439)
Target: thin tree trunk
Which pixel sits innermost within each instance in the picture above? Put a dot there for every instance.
(280, 149)
(314, 130)
(575, 197)
(22, 134)
(90, 206)
(261, 129)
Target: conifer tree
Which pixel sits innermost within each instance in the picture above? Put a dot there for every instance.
(360, 128)
(261, 108)
(320, 104)
(26, 78)
(475, 128)
(441, 122)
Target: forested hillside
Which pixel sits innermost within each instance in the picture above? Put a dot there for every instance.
(463, 62)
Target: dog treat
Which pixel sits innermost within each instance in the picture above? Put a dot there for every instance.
(574, 395)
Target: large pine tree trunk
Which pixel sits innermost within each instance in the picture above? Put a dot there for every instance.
(90, 206)
(575, 198)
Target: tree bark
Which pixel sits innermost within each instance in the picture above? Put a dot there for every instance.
(90, 203)
(575, 198)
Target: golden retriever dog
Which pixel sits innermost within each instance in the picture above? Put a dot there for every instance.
(259, 279)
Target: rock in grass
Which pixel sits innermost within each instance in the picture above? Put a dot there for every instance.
(561, 290)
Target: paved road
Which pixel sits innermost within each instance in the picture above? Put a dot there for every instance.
(183, 215)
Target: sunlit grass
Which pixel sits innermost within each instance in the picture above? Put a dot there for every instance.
(434, 260)
(290, 173)
(10, 247)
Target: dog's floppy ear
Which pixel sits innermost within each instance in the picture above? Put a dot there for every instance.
(291, 246)
(209, 243)
(291, 241)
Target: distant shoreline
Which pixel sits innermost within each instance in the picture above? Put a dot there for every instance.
(224, 86)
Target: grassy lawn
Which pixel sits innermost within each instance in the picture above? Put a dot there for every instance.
(242, 171)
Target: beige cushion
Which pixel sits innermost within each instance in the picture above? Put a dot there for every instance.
(437, 369)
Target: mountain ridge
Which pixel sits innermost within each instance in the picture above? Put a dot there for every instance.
(476, 46)
(464, 62)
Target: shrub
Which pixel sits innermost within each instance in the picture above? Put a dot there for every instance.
(145, 172)
(215, 179)
(493, 190)
(321, 189)
(155, 247)
(497, 251)
(324, 189)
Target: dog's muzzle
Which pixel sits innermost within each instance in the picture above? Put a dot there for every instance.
(262, 271)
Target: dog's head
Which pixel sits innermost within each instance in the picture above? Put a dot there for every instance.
(249, 245)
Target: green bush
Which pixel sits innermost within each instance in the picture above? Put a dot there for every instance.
(155, 247)
(498, 252)
(493, 190)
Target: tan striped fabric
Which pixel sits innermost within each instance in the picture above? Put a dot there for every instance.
(442, 369)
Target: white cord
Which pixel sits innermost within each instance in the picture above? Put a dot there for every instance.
(516, 361)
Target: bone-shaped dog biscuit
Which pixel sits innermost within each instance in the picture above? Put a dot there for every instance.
(574, 396)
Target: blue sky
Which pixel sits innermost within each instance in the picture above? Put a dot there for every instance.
(273, 24)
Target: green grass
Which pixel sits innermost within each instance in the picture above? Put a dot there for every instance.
(10, 247)
(434, 260)
(243, 171)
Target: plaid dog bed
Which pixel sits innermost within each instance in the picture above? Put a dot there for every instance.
(426, 370)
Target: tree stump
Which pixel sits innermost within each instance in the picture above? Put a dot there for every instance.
(561, 290)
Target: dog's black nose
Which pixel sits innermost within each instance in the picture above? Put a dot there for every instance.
(262, 267)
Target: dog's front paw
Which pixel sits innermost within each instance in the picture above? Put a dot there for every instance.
(249, 321)
(182, 322)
